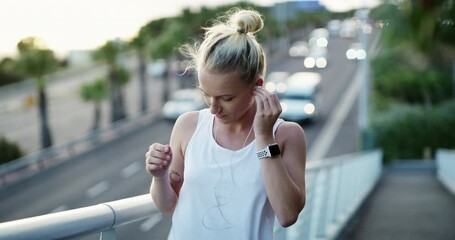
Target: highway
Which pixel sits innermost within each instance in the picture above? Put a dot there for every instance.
(115, 170)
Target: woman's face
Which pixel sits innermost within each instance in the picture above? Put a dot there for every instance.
(227, 96)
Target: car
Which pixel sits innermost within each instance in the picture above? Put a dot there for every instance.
(181, 101)
(317, 58)
(356, 51)
(319, 37)
(299, 102)
(298, 49)
(275, 82)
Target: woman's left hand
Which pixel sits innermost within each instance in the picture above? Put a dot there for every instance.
(268, 109)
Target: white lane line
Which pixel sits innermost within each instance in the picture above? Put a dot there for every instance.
(325, 138)
(97, 189)
(131, 169)
(59, 209)
(151, 222)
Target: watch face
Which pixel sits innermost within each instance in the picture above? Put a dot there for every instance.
(274, 150)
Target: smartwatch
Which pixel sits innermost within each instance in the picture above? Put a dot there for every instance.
(272, 150)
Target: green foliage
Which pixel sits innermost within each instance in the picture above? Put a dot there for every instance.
(122, 76)
(397, 77)
(404, 132)
(9, 151)
(108, 53)
(95, 91)
(7, 73)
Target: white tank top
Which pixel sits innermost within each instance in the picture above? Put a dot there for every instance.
(223, 194)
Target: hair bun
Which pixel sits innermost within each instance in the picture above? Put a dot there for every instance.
(247, 21)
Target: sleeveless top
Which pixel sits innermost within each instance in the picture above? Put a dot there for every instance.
(223, 194)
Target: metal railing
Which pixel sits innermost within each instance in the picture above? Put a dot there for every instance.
(445, 165)
(335, 189)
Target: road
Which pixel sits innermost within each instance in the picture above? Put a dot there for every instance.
(115, 170)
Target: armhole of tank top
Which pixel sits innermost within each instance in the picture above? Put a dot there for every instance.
(201, 118)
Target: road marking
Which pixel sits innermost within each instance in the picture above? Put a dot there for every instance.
(97, 189)
(151, 222)
(59, 209)
(324, 140)
(131, 169)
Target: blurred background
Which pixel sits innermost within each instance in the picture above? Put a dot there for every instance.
(87, 86)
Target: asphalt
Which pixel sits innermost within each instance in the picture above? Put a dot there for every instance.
(409, 202)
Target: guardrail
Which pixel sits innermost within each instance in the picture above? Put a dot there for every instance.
(445, 165)
(33, 163)
(335, 189)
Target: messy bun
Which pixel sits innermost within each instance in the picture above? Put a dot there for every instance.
(230, 45)
(247, 21)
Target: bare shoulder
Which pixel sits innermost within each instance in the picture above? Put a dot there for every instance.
(292, 140)
(290, 131)
(184, 127)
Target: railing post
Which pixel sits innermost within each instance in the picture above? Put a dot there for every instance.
(108, 235)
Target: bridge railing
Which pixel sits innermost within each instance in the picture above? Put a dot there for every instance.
(335, 189)
(445, 161)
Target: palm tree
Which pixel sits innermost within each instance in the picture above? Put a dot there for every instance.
(95, 92)
(164, 46)
(37, 62)
(140, 44)
(109, 53)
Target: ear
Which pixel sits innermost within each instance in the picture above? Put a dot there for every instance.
(259, 82)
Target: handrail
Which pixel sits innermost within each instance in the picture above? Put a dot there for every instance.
(80, 222)
(335, 189)
(445, 160)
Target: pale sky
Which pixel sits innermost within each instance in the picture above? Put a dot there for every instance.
(70, 25)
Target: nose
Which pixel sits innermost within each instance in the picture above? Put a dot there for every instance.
(214, 107)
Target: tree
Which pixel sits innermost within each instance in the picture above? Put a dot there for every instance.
(109, 53)
(37, 62)
(140, 45)
(165, 46)
(95, 92)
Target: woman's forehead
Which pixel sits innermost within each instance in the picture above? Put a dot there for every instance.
(209, 80)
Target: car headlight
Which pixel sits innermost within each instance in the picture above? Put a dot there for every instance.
(322, 42)
(321, 62)
(309, 108)
(351, 54)
(309, 62)
(270, 86)
(361, 54)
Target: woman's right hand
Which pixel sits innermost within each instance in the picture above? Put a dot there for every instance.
(158, 159)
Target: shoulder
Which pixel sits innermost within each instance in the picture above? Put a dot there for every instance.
(289, 129)
(184, 127)
(186, 122)
(290, 133)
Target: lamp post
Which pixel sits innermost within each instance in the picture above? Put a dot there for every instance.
(366, 141)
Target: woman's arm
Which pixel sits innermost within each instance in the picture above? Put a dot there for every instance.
(165, 188)
(284, 175)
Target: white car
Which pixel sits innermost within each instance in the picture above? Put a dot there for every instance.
(183, 100)
(275, 82)
(298, 49)
(317, 58)
(299, 102)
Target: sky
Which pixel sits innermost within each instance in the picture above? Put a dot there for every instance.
(85, 24)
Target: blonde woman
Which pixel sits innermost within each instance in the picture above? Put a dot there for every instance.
(233, 167)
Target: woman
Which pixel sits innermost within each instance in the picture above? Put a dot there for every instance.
(230, 168)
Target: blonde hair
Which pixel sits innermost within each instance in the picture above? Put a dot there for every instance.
(230, 46)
